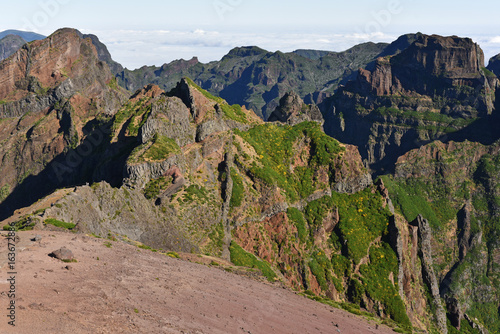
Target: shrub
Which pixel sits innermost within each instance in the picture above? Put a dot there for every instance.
(161, 148)
(4, 192)
(58, 223)
(238, 189)
(154, 187)
(240, 257)
(173, 255)
(297, 218)
(195, 192)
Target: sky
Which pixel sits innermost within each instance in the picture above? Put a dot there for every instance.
(155, 32)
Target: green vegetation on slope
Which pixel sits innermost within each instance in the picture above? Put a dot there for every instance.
(439, 197)
(4, 192)
(136, 113)
(24, 224)
(59, 223)
(375, 278)
(275, 146)
(298, 220)
(195, 192)
(362, 220)
(240, 257)
(162, 148)
(412, 197)
(154, 187)
(158, 149)
(233, 112)
(216, 240)
(238, 189)
(443, 123)
(359, 235)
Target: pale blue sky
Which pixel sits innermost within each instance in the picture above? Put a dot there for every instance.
(155, 32)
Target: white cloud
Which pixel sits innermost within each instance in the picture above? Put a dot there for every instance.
(495, 40)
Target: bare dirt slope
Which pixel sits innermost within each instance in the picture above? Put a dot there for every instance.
(124, 289)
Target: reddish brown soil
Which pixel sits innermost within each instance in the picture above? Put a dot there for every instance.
(124, 289)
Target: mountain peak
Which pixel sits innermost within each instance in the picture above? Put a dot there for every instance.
(51, 61)
(62, 66)
(400, 44)
(246, 51)
(293, 110)
(431, 64)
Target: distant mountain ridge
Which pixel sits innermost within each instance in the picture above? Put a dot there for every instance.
(10, 44)
(12, 40)
(28, 36)
(257, 78)
(311, 54)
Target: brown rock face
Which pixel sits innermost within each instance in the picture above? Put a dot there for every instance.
(49, 91)
(293, 110)
(432, 62)
(195, 101)
(452, 56)
(50, 62)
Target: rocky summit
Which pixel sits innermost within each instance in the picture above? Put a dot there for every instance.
(372, 188)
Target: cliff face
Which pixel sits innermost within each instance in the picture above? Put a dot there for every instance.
(103, 53)
(51, 91)
(427, 67)
(435, 88)
(454, 185)
(292, 110)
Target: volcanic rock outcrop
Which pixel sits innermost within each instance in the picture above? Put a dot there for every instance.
(435, 88)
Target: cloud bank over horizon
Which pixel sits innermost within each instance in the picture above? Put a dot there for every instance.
(137, 48)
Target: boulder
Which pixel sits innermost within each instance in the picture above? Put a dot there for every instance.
(63, 254)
